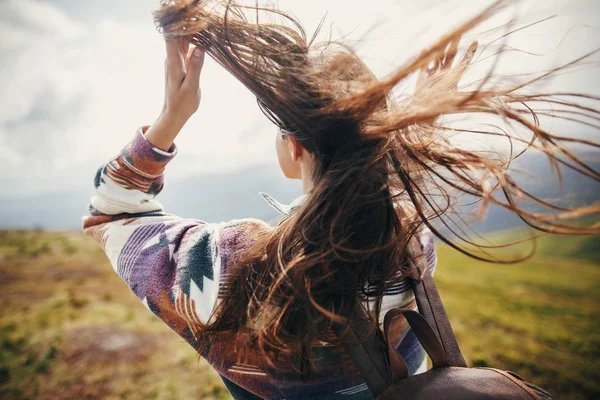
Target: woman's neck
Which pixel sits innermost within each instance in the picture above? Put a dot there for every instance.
(306, 177)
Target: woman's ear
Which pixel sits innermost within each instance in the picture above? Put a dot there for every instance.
(295, 148)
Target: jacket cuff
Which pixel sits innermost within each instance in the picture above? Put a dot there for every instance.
(144, 158)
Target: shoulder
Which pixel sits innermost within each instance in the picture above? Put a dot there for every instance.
(234, 236)
(216, 242)
(240, 231)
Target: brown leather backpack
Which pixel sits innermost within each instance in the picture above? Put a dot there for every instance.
(386, 373)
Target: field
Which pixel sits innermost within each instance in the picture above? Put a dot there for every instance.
(70, 329)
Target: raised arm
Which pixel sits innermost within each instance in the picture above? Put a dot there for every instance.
(173, 265)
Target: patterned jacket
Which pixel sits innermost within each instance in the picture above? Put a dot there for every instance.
(177, 268)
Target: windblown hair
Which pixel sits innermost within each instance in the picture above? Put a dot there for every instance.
(382, 170)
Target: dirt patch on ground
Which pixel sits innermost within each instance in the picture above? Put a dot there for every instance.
(59, 273)
(98, 358)
(77, 390)
(7, 277)
(17, 296)
(101, 344)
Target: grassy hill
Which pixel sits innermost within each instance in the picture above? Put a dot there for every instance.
(539, 318)
(69, 328)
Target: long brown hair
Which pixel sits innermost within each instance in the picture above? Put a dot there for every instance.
(382, 170)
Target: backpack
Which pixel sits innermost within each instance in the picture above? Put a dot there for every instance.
(386, 373)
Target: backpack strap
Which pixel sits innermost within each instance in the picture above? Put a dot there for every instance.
(424, 333)
(431, 308)
(381, 365)
(378, 364)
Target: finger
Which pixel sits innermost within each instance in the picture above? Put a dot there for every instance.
(174, 63)
(450, 54)
(173, 47)
(188, 56)
(195, 63)
(424, 69)
(468, 57)
(184, 46)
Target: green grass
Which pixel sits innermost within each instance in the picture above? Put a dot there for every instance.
(539, 318)
(69, 328)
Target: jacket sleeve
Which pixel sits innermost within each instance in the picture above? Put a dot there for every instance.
(173, 265)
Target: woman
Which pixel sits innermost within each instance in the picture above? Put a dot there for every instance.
(258, 301)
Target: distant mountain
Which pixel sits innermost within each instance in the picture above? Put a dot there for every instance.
(222, 197)
(227, 196)
(213, 198)
(575, 190)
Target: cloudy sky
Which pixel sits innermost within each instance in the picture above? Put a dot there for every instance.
(78, 78)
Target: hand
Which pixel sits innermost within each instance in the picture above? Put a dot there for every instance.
(182, 92)
(434, 72)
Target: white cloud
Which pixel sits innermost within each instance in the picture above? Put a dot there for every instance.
(24, 21)
(73, 93)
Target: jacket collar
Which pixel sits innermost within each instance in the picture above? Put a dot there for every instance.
(284, 209)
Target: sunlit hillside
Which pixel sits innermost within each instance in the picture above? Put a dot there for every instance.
(70, 329)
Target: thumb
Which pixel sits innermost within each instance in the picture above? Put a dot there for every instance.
(195, 63)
